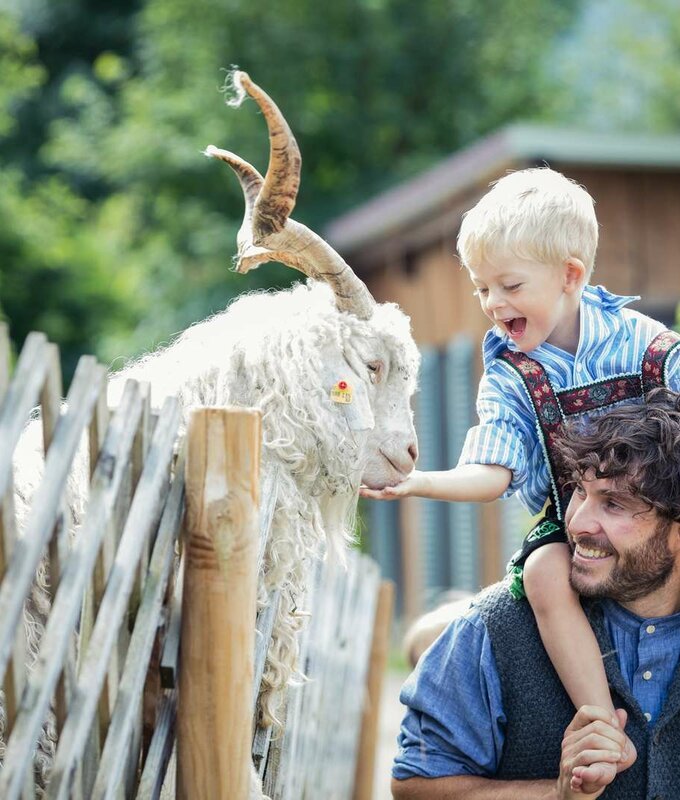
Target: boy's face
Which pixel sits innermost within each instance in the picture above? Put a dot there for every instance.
(531, 302)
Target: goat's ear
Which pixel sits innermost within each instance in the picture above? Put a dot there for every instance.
(358, 413)
(348, 393)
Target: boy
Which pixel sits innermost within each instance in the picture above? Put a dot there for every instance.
(559, 348)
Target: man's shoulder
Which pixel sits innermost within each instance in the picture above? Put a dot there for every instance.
(500, 611)
(497, 598)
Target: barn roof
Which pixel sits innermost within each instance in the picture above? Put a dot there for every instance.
(418, 197)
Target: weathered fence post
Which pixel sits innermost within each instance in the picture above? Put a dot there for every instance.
(363, 779)
(218, 612)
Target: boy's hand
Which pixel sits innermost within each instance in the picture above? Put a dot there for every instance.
(407, 487)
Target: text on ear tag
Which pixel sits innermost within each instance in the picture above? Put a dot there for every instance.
(341, 392)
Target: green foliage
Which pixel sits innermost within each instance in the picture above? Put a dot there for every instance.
(21, 74)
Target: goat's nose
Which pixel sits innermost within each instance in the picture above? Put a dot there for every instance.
(413, 451)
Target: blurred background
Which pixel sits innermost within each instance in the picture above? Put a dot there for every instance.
(116, 233)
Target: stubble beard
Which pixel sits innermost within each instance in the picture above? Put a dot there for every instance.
(635, 574)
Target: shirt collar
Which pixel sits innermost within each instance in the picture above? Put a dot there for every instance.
(607, 301)
(595, 299)
(622, 618)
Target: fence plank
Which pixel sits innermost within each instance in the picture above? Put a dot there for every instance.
(28, 550)
(50, 408)
(144, 516)
(20, 399)
(94, 591)
(124, 716)
(365, 772)
(67, 601)
(16, 671)
(218, 613)
(138, 456)
(5, 357)
(169, 665)
(160, 750)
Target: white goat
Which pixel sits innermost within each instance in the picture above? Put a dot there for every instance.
(331, 370)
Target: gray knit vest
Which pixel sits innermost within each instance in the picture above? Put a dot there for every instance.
(538, 709)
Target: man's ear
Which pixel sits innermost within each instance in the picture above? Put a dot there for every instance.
(574, 275)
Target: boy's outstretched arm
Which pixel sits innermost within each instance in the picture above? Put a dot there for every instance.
(471, 483)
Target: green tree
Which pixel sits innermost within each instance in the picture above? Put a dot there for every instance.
(55, 271)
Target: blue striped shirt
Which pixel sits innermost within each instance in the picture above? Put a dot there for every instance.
(613, 341)
(455, 721)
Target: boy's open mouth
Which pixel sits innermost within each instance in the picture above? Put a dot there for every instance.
(515, 326)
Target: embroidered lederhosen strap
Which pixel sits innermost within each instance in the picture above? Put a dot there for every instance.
(547, 413)
(551, 408)
(656, 358)
(606, 392)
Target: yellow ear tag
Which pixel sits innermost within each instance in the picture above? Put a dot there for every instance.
(341, 392)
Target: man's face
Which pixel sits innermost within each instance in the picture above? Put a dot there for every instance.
(622, 549)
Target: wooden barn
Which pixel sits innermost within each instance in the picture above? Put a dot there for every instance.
(403, 243)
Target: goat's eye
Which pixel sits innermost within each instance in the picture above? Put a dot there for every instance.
(375, 369)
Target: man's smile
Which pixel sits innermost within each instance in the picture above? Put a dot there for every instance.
(583, 552)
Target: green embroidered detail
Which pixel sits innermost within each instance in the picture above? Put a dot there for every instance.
(543, 529)
(515, 583)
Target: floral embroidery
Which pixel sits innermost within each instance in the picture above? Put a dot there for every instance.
(600, 394)
(654, 360)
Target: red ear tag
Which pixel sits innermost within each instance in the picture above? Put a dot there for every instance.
(341, 392)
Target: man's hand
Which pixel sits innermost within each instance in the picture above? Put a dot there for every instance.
(593, 736)
(590, 779)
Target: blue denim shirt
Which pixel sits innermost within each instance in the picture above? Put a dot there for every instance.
(455, 721)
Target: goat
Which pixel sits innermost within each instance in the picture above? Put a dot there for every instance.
(331, 370)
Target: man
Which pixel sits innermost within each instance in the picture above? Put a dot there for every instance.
(487, 715)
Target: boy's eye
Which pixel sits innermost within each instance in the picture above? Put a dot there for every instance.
(513, 288)
(479, 292)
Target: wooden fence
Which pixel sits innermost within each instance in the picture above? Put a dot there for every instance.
(97, 594)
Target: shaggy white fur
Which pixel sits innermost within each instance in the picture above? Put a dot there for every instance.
(282, 353)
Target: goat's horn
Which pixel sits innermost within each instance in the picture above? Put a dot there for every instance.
(250, 179)
(308, 252)
(281, 183)
(267, 233)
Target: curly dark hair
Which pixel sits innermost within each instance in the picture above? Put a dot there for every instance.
(637, 445)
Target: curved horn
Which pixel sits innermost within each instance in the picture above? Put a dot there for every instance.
(282, 181)
(250, 179)
(267, 233)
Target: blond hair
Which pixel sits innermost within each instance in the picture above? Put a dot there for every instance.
(536, 214)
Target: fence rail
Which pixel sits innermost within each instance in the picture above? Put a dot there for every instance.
(96, 597)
